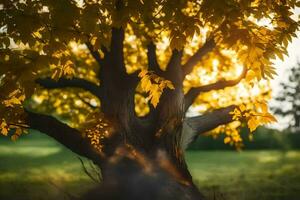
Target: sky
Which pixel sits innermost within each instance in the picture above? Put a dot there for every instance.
(282, 69)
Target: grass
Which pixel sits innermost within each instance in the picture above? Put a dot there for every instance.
(38, 168)
(251, 175)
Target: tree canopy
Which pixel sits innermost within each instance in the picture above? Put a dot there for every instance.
(52, 58)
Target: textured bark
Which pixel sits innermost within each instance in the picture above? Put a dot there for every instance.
(144, 176)
(195, 126)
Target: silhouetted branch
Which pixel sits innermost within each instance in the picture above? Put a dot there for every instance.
(194, 92)
(64, 134)
(74, 82)
(152, 58)
(208, 46)
(95, 54)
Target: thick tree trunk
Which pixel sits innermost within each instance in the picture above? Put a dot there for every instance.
(143, 157)
(134, 174)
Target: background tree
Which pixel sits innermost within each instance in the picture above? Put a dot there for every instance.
(120, 76)
(290, 96)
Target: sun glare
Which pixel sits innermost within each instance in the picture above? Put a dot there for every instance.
(215, 63)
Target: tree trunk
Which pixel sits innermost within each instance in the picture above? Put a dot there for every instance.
(135, 174)
(143, 157)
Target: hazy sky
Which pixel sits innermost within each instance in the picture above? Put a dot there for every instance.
(282, 69)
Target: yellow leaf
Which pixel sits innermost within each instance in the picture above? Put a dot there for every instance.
(4, 128)
(242, 107)
(256, 64)
(146, 83)
(262, 105)
(227, 140)
(270, 117)
(252, 124)
(155, 99)
(250, 75)
(68, 70)
(143, 73)
(170, 85)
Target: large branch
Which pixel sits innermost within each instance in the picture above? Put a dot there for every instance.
(194, 92)
(116, 50)
(152, 58)
(95, 54)
(195, 126)
(74, 82)
(62, 133)
(208, 46)
(174, 70)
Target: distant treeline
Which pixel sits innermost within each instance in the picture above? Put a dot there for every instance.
(263, 138)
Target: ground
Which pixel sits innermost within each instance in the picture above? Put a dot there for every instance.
(38, 168)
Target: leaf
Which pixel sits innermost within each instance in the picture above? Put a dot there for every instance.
(252, 124)
(154, 85)
(4, 128)
(154, 100)
(170, 85)
(146, 83)
(242, 107)
(14, 99)
(250, 75)
(270, 117)
(143, 73)
(262, 105)
(227, 140)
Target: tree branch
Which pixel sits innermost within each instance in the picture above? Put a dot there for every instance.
(67, 136)
(195, 126)
(74, 82)
(208, 46)
(174, 70)
(95, 54)
(152, 58)
(116, 50)
(194, 92)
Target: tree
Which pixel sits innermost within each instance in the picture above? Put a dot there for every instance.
(290, 94)
(120, 76)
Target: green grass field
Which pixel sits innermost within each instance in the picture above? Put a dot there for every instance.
(38, 168)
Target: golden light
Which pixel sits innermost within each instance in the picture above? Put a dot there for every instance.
(215, 64)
